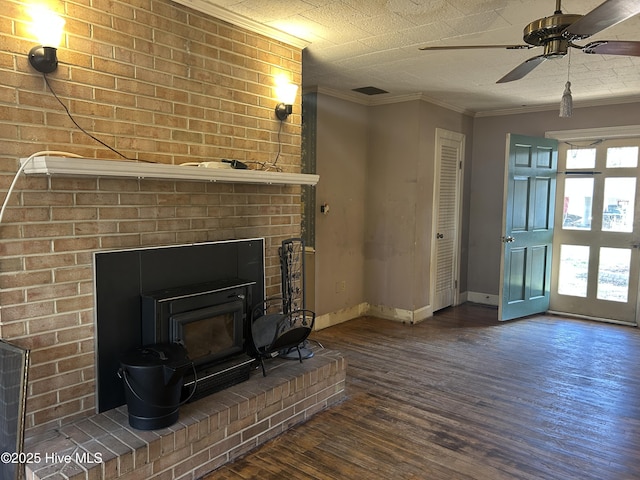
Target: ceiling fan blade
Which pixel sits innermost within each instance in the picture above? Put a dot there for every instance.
(613, 47)
(467, 47)
(606, 15)
(523, 69)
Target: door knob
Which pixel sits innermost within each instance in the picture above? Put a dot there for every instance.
(508, 239)
(439, 235)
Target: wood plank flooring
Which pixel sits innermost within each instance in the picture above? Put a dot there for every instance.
(462, 396)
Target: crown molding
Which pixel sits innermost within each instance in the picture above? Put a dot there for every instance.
(448, 106)
(340, 94)
(241, 21)
(603, 102)
(385, 99)
(390, 99)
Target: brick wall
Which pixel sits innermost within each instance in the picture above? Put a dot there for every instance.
(158, 82)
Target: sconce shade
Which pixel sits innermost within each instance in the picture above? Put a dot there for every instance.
(286, 95)
(46, 26)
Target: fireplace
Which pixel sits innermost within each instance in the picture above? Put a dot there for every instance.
(198, 295)
(210, 321)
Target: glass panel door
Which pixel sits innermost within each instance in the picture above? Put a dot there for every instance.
(578, 201)
(596, 245)
(574, 263)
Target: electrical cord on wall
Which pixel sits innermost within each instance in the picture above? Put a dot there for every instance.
(266, 166)
(279, 146)
(90, 135)
(21, 169)
(24, 164)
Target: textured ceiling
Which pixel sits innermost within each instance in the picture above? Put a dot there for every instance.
(358, 43)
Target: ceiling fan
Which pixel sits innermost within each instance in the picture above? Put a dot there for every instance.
(558, 32)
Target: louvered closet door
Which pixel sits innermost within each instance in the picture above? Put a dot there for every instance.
(449, 153)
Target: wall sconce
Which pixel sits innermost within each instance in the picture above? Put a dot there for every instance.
(47, 27)
(286, 96)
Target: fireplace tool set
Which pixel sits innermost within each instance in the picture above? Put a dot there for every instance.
(293, 283)
(280, 325)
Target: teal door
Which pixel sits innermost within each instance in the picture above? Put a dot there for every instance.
(527, 240)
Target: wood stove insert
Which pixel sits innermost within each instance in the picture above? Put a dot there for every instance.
(210, 321)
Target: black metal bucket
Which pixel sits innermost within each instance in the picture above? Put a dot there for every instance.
(153, 377)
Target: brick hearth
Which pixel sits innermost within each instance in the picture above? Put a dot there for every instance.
(209, 433)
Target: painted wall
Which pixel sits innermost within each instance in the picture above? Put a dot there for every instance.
(400, 204)
(392, 208)
(487, 178)
(341, 156)
(376, 165)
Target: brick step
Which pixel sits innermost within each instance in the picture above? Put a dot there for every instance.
(210, 432)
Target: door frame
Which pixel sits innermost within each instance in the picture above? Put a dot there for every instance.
(589, 134)
(459, 138)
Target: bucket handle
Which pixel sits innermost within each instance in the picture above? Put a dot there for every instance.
(122, 373)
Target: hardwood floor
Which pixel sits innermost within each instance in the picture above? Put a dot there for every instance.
(462, 396)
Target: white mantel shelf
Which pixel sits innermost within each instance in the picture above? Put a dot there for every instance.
(90, 167)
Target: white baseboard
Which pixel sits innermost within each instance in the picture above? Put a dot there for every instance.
(380, 311)
(340, 316)
(422, 314)
(399, 314)
(483, 298)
